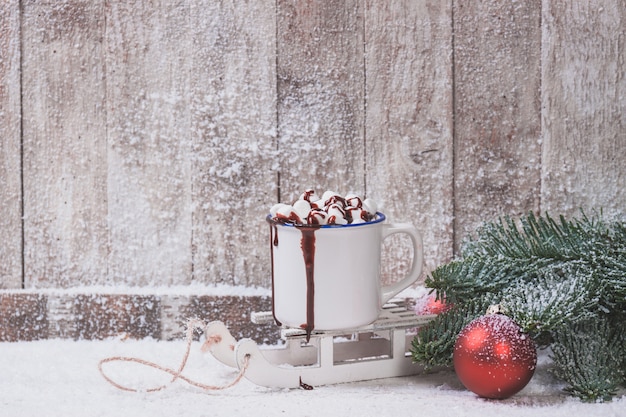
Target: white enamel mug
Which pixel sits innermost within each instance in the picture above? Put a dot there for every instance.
(328, 277)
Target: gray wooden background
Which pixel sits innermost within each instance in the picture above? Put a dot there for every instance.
(142, 142)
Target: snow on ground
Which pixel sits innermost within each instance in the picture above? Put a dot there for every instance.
(61, 378)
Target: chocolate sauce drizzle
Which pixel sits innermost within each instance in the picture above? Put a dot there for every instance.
(305, 386)
(307, 244)
(273, 242)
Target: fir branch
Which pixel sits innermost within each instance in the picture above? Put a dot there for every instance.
(588, 356)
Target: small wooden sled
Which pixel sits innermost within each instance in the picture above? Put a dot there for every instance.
(378, 350)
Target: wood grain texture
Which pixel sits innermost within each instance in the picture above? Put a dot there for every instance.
(584, 107)
(10, 147)
(320, 80)
(148, 132)
(497, 76)
(65, 201)
(155, 135)
(233, 116)
(408, 60)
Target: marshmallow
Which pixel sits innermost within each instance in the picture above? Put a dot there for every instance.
(317, 217)
(328, 194)
(336, 208)
(317, 204)
(275, 208)
(309, 195)
(356, 215)
(303, 208)
(286, 213)
(371, 206)
(354, 200)
(336, 214)
(337, 219)
(285, 210)
(331, 197)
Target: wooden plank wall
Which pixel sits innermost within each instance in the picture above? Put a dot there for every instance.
(143, 142)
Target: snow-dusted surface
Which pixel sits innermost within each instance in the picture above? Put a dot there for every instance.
(61, 378)
(195, 289)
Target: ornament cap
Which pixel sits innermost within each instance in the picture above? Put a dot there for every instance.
(495, 309)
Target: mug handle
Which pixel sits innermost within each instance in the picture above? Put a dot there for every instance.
(389, 291)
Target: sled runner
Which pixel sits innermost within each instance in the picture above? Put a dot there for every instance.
(378, 350)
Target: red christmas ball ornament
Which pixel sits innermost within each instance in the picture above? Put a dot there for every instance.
(431, 305)
(493, 357)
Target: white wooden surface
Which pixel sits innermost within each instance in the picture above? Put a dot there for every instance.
(10, 152)
(409, 123)
(147, 140)
(149, 144)
(64, 144)
(497, 107)
(584, 106)
(233, 131)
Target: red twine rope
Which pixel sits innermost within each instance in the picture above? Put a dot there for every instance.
(176, 374)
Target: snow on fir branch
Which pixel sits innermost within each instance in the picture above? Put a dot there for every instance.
(563, 281)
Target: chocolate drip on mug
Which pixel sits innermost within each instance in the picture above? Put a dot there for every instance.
(273, 242)
(307, 243)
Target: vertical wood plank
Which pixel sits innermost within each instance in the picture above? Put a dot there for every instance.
(10, 147)
(584, 107)
(320, 75)
(409, 122)
(233, 112)
(149, 187)
(64, 143)
(497, 111)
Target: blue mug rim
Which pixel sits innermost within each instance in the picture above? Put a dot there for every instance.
(380, 217)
